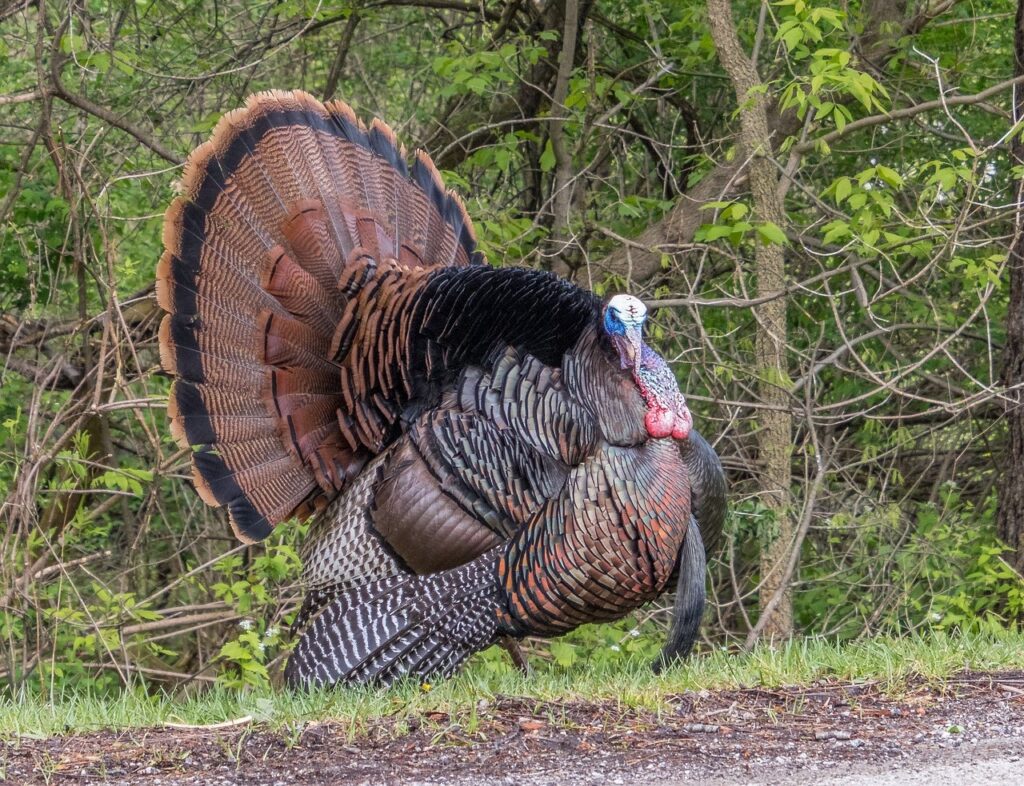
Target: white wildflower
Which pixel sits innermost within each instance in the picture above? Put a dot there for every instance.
(271, 632)
(245, 624)
(635, 633)
(615, 648)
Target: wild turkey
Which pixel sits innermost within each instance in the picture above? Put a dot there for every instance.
(489, 451)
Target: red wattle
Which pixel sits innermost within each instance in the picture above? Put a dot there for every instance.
(660, 423)
(682, 426)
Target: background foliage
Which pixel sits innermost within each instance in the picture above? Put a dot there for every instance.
(618, 162)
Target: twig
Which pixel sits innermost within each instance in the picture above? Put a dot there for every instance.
(245, 719)
(65, 566)
(171, 675)
(338, 66)
(562, 192)
(176, 622)
(21, 98)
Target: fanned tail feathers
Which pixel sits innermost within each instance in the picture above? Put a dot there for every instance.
(284, 214)
(418, 626)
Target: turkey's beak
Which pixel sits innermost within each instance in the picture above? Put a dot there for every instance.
(629, 345)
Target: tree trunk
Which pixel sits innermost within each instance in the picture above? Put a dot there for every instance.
(774, 435)
(559, 247)
(1010, 515)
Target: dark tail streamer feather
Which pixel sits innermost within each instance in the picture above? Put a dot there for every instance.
(688, 610)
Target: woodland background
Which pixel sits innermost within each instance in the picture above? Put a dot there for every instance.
(819, 200)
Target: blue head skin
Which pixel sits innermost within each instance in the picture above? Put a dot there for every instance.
(667, 414)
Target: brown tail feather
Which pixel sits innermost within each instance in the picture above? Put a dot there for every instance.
(316, 248)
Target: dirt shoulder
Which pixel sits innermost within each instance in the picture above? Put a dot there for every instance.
(968, 730)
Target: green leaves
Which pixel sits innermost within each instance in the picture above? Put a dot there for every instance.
(547, 158)
(563, 653)
(869, 195)
(980, 271)
(712, 232)
(841, 189)
(943, 567)
(71, 43)
(484, 71)
(831, 79)
(806, 24)
(125, 479)
(247, 588)
(770, 233)
(889, 176)
(730, 224)
(506, 237)
(243, 659)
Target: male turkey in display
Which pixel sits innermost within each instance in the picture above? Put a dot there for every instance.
(489, 452)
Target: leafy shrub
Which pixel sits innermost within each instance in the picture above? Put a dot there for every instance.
(940, 567)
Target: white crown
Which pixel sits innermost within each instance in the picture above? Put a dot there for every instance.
(629, 309)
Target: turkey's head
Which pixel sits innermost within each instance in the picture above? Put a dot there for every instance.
(667, 413)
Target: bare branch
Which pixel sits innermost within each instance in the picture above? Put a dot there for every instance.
(905, 112)
(21, 98)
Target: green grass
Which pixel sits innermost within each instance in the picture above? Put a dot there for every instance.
(629, 684)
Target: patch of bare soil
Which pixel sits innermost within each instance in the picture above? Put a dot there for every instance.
(824, 733)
